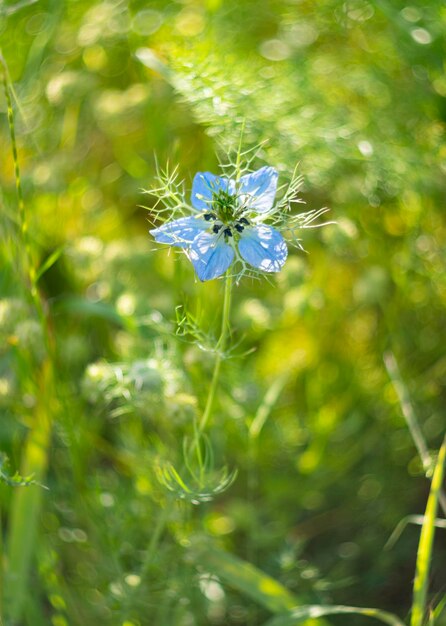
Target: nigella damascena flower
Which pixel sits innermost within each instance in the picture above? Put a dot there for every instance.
(228, 224)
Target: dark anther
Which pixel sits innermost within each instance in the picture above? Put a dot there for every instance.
(239, 228)
(209, 216)
(216, 228)
(227, 231)
(243, 220)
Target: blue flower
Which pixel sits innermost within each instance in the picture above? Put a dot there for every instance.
(227, 224)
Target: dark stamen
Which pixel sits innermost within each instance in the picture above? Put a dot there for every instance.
(216, 228)
(239, 228)
(243, 220)
(227, 232)
(209, 216)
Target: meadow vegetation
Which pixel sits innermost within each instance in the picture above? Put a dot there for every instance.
(118, 504)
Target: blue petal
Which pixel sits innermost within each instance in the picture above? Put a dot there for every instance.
(263, 247)
(258, 189)
(210, 256)
(205, 185)
(180, 232)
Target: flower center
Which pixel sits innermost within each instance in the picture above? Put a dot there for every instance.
(227, 229)
(224, 214)
(224, 205)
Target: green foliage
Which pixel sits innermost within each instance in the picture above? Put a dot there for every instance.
(244, 577)
(425, 548)
(108, 347)
(316, 612)
(14, 480)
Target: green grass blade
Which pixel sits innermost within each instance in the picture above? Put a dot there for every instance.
(424, 554)
(24, 520)
(246, 578)
(267, 405)
(302, 613)
(26, 501)
(272, 595)
(49, 262)
(410, 519)
(26, 506)
(438, 609)
(411, 420)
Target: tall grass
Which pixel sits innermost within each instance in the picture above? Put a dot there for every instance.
(25, 508)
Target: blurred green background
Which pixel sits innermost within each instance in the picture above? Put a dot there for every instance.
(355, 92)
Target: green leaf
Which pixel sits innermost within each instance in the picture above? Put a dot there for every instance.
(268, 403)
(424, 554)
(271, 594)
(302, 613)
(410, 519)
(438, 609)
(49, 262)
(245, 578)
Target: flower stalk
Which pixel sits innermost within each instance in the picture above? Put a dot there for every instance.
(220, 351)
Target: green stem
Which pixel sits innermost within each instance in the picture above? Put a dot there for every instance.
(11, 123)
(30, 269)
(411, 420)
(2, 581)
(154, 540)
(221, 346)
(424, 555)
(26, 503)
(220, 349)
